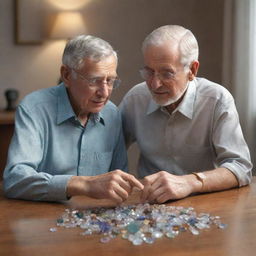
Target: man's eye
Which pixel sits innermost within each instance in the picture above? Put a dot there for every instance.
(111, 80)
(149, 72)
(95, 80)
(168, 75)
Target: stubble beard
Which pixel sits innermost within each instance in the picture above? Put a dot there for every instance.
(170, 100)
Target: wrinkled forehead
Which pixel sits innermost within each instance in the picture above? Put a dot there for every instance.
(106, 65)
(93, 60)
(163, 54)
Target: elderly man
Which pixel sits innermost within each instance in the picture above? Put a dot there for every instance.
(68, 139)
(187, 128)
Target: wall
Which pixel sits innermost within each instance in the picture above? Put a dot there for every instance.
(124, 23)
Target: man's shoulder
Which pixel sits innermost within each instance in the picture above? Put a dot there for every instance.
(110, 106)
(139, 89)
(110, 111)
(40, 97)
(210, 89)
(136, 100)
(138, 92)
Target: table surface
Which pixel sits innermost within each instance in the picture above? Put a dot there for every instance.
(24, 228)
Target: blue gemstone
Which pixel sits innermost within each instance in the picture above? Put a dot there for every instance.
(192, 221)
(133, 227)
(104, 227)
(80, 215)
(60, 220)
(141, 218)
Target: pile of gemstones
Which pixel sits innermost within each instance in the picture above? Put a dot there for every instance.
(142, 223)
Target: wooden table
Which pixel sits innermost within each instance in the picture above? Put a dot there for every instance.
(24, 229)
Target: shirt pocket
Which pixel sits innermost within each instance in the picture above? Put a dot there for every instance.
(98, 163)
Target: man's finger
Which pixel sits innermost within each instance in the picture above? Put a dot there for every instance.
(155, 193)
(163, 198)
(122, 193)
(145, 192)
(133, 181)
(125, 185)
(149, 181)
(115, 197)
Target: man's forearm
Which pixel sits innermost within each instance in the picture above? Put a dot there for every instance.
(77, 185)
(213, 180)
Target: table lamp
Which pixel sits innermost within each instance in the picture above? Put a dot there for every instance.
(66, 25)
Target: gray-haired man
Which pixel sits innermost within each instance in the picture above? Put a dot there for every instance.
(68, 139)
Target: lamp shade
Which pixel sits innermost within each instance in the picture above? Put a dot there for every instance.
(66, 25)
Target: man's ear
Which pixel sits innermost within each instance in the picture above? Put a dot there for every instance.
(194, 66)
(65, 74)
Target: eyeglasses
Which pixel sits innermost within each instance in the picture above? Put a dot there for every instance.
(165, 76)
(96, 82)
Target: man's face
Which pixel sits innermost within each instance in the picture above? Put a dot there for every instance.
(86, 97)
(166, 78)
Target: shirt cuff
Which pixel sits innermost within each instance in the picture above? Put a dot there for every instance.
(57, 187)
(244, 177)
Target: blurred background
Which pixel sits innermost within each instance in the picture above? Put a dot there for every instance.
(33, 34)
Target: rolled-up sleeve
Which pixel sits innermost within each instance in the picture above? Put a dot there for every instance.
(230, 146)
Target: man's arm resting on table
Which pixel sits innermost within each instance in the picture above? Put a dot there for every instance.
(214, 180)
(163, 186)
(115, 185)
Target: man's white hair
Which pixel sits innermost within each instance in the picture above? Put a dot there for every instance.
(184, 38)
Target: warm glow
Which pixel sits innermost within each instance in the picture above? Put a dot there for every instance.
(67, 25)
(68, 4)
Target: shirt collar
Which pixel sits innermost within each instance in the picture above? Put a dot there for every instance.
(152, 106)
(97, 117)
(65, 110)
(186, 107)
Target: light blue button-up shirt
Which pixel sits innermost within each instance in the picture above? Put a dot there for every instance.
(50, 145)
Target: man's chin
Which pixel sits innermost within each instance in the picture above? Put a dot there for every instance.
(98, 108)
(164, 102)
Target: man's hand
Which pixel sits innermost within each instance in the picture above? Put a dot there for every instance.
(162, 186)
(115, 185)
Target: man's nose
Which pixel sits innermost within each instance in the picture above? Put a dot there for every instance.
(155, 82)
(103, 91)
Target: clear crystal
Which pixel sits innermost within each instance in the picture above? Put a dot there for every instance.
(105, 239)
(137, 241)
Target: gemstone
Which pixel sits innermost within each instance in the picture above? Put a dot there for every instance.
(170, 234)
(60, 221)
(105, 239)
(157, 234)
(194, 231)
(133, 227)
(149, 240)
(80, 215)
(137, 241)
(222, 226)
